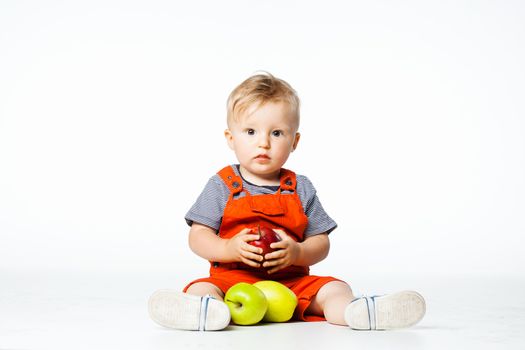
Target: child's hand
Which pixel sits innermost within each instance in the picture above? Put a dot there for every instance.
(286, 255)
(239, 249)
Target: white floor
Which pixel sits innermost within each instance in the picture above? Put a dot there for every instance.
(108, 311)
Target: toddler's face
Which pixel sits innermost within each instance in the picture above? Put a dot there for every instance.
(262, 139)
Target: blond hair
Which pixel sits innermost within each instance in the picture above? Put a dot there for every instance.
(260, 89)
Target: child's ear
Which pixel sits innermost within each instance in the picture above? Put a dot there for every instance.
(296, 141)
(229, 137)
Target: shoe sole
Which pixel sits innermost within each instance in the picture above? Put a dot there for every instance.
(392, 311)
(174, 309)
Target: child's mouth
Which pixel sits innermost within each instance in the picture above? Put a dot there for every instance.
(262, 157)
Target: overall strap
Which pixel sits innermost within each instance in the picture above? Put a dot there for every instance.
(232, 180)
(288, 180)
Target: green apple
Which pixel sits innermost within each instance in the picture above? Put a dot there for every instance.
(281, 301)
(246, 302)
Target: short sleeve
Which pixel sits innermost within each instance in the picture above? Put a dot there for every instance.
(318, 219)
(209, 207)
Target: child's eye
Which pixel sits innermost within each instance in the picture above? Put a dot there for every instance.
(250, 132)
(277, 133)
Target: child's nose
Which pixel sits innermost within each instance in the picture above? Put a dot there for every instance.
(264, 141)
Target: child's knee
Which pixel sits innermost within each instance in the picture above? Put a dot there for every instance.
(334, 289)
(205, 288)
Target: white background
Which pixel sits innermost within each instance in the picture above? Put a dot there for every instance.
(112, 114)
(111, 122)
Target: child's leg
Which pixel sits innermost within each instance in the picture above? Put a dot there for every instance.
(205, 288)
(390, 311)
(337, 303)
(201, 308)
(331, 301)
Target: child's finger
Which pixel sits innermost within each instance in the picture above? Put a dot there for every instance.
(250, 237)
(275, 255)
(250, 262)
(253, 249)
(282, 234)
(274, 262)
(252, 255)
(275, 269)
(244, 231)
(279, 245)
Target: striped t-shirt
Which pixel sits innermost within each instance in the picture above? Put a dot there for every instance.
(209, 207)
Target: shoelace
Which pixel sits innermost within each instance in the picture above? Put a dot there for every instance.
(371, 305)
(204, 312)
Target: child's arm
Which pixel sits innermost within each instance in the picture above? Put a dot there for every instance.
(204, 242)
(312, 250)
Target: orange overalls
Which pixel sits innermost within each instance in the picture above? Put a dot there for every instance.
(277, 210)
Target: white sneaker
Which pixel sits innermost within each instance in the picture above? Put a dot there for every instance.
(392, 311)
(174, 309)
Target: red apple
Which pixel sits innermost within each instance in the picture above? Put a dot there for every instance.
(267, 236)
